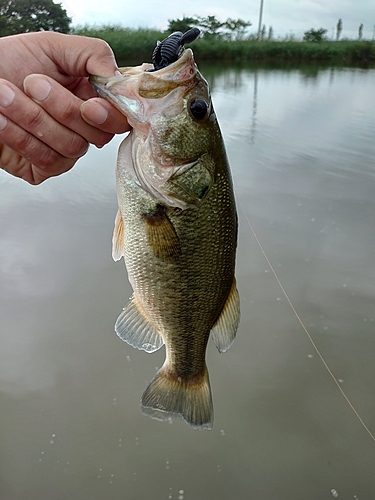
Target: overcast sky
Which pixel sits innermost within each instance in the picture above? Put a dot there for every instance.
(285, 16)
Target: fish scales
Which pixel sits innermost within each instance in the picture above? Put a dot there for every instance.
(177, 233)
(196, 284)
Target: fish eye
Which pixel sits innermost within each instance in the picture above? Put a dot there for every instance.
(198, 109)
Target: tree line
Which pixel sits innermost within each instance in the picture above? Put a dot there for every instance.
(320, 35)
(211, 27)
(24, 16)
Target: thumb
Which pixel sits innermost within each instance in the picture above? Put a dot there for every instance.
(80, 55)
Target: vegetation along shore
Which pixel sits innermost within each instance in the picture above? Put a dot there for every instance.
(137, 45)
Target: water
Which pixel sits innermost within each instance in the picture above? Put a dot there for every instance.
(302, 147)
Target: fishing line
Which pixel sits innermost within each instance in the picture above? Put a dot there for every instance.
(303, 325)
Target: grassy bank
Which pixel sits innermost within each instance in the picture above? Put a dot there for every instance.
(279, 51)
(127, 44)
(137, 46)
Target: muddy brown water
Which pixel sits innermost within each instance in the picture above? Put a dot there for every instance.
(302, 148)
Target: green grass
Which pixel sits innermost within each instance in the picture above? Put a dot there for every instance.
(136, 46)
(129, 45)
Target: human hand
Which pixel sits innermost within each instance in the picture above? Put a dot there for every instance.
(46, 128)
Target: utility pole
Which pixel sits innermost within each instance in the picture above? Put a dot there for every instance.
(260, 19)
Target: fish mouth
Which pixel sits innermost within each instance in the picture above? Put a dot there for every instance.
(180, 71)
(138, 92)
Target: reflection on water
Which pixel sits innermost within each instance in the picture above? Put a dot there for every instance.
(301, 146)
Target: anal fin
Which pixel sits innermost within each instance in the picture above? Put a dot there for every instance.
(224, 330)
(118, 240)
(133, 327)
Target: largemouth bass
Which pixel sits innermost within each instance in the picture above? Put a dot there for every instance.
(176, 228)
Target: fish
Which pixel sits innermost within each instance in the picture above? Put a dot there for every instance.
(176, 228)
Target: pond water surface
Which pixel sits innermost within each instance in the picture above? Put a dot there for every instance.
(302, 148)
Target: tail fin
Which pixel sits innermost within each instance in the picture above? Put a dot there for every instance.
(191, 399)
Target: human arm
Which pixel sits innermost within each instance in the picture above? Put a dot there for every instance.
(48, 111)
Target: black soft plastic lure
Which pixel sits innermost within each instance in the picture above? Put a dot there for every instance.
(169, 50)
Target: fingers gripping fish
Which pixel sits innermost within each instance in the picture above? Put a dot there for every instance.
(176, 228)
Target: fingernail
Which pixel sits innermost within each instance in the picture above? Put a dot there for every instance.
(94, 112)
(37, 88)
(6, 95)
(3, 122)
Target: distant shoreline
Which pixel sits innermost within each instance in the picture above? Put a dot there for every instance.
(138, 45)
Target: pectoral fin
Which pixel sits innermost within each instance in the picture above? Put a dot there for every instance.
(224, 330)
(133, 327)
(118, 241)
(161, 235)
